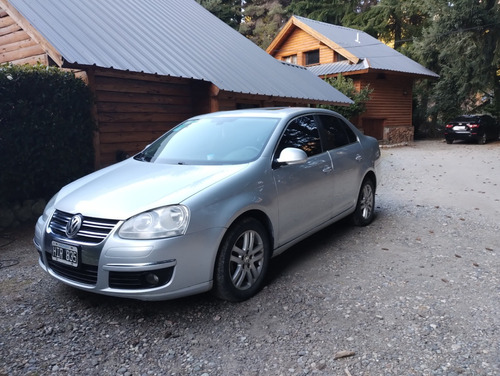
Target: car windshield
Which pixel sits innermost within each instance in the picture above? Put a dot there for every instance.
(213, 140)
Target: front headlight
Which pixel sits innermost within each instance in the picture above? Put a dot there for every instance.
(163, 222)
(49, 208)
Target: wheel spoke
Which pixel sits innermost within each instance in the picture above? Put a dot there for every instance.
(239, 277)
(246, 260)
(237, 253)
(367, 202)
(257, 252)
(248, 240)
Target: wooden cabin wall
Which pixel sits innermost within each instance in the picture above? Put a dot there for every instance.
(391, 98)
(16, 46)
(300, 42)
(134, 109)
(390, 105)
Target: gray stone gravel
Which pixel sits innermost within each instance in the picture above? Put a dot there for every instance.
(415, 293)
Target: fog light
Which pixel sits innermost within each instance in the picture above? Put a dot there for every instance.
(152, 279)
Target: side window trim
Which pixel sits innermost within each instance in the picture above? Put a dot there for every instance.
(317, 123)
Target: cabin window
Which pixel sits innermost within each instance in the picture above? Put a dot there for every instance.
(292, 59)
(312, 57)
(339, 57)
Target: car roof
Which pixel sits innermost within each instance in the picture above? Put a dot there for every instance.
(468, 117)
(274, 112)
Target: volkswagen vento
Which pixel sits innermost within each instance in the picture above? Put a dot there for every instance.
(208, 204)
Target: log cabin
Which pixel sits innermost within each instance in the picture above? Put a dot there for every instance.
(152, 64)
(329, 50)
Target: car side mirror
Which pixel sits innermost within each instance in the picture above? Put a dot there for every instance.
(291, 156)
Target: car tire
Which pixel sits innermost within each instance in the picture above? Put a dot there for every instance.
(482, 140)
(365, 207)
(449, 141)
(242, 261)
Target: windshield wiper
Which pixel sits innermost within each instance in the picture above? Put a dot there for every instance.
(142, 157)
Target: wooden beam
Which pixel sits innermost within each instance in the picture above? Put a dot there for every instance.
(16, 36)
(32, 32)
(9, 29)
(32, 60)
(17, 45)
(21, 53)
(280, 38)
(6, 21)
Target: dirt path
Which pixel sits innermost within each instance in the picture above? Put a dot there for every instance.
(415, 293)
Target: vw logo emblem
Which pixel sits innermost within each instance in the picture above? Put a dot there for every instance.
(73, 225)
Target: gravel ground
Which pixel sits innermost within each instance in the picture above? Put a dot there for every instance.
(415, 293)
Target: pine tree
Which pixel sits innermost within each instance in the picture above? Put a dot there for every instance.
(462, 44)
(228, 11)
(263, 19)
(330, 11)
(395, 22)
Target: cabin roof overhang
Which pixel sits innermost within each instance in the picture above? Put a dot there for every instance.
(294, 23)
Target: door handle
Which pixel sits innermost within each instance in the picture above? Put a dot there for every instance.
(327, 169)
(359, 158)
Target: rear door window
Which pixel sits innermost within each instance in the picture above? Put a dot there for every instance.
(337, 132)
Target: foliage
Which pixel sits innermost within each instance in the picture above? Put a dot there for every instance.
(392, 21)
(462, 44)
(229, 11)
(329, 11)
(46, 131)
(263, 20)
(346, 86)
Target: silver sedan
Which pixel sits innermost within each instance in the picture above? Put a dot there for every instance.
(208, 204)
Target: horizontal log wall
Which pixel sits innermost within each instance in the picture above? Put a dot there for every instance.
(300, 42)
(391, 98)
(133, 109)
(16, 46)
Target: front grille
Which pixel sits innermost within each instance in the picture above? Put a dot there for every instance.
(83, 273)
(93, 230)
(139, 280)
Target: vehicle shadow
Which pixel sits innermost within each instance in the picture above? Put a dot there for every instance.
(198, 308)
(311, 247)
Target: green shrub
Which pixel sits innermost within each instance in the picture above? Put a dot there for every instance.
(46, 131)
(346, 86)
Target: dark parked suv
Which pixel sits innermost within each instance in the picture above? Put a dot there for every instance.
(480, 128)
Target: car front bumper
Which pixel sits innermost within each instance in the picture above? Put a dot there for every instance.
(158, 269)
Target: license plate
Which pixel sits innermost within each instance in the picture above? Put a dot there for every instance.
(459, 128)
(65, 253)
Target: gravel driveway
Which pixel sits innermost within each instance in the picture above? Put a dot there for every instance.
(415, 293)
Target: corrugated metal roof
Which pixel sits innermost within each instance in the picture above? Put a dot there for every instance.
(339, 67)
(179, 38)
(364, 46)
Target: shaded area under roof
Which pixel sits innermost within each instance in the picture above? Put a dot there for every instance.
(379, 56)
(176, 38)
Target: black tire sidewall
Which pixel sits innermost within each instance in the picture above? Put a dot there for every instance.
(357, 216)
(223, 287)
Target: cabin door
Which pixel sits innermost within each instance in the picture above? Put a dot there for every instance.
(374, 127)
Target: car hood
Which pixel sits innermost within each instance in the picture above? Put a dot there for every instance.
(131, 187)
